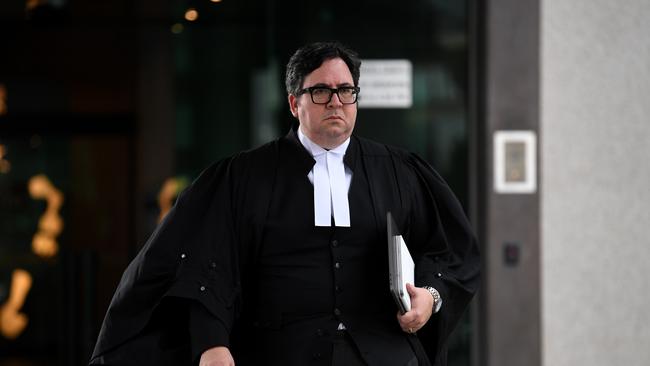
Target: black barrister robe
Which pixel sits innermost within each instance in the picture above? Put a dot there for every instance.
(203, 250)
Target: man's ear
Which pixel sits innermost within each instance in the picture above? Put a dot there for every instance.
(293, 105)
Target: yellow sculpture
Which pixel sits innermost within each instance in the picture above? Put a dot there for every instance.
(51, 224)
(12, 321)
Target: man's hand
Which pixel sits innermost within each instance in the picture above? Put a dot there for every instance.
(217, 356)
(421, 309)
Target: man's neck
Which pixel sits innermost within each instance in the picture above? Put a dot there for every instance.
(327, 146)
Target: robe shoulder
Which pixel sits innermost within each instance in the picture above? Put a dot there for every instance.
(410, 165)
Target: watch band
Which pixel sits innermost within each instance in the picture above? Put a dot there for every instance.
(437, 300)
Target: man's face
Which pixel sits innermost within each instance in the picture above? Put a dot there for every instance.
(328, 125)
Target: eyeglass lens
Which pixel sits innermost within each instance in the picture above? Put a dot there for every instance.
(324, 95)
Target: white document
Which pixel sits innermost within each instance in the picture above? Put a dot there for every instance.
(400, 265)
(406, 273)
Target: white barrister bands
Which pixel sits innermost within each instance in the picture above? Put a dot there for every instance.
(331, 180)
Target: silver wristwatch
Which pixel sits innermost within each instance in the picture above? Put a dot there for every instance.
(437, 300)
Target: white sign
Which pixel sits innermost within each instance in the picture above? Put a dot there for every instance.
(386, 84)
(515, 162)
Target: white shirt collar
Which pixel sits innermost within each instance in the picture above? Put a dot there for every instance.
(315, 150)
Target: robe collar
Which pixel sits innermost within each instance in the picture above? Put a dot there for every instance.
(303, 159)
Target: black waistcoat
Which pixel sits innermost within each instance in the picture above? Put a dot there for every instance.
(309, 279)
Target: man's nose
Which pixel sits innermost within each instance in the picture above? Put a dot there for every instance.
(335, 101)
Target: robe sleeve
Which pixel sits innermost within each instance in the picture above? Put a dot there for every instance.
(208, 271)
(192, 256)
(445, 248)
(206, 331)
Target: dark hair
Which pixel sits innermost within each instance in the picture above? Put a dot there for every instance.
(310, 57)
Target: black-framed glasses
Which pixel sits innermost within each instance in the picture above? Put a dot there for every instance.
(323, 95)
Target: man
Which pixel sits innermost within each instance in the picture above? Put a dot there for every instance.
(278, 255)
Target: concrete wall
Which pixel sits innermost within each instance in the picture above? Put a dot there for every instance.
(595, 185)
(510, 297)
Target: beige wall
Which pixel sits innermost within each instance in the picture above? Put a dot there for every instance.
(595, 182)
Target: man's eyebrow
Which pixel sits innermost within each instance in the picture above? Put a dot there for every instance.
(323, 85)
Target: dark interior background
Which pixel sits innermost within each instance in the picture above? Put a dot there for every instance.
(110, 99)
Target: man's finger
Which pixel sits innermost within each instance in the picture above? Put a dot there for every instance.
(410, 289)
(411, 323)
(407, 317)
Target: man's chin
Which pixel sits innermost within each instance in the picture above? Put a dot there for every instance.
(338, 132)
(336, 138)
